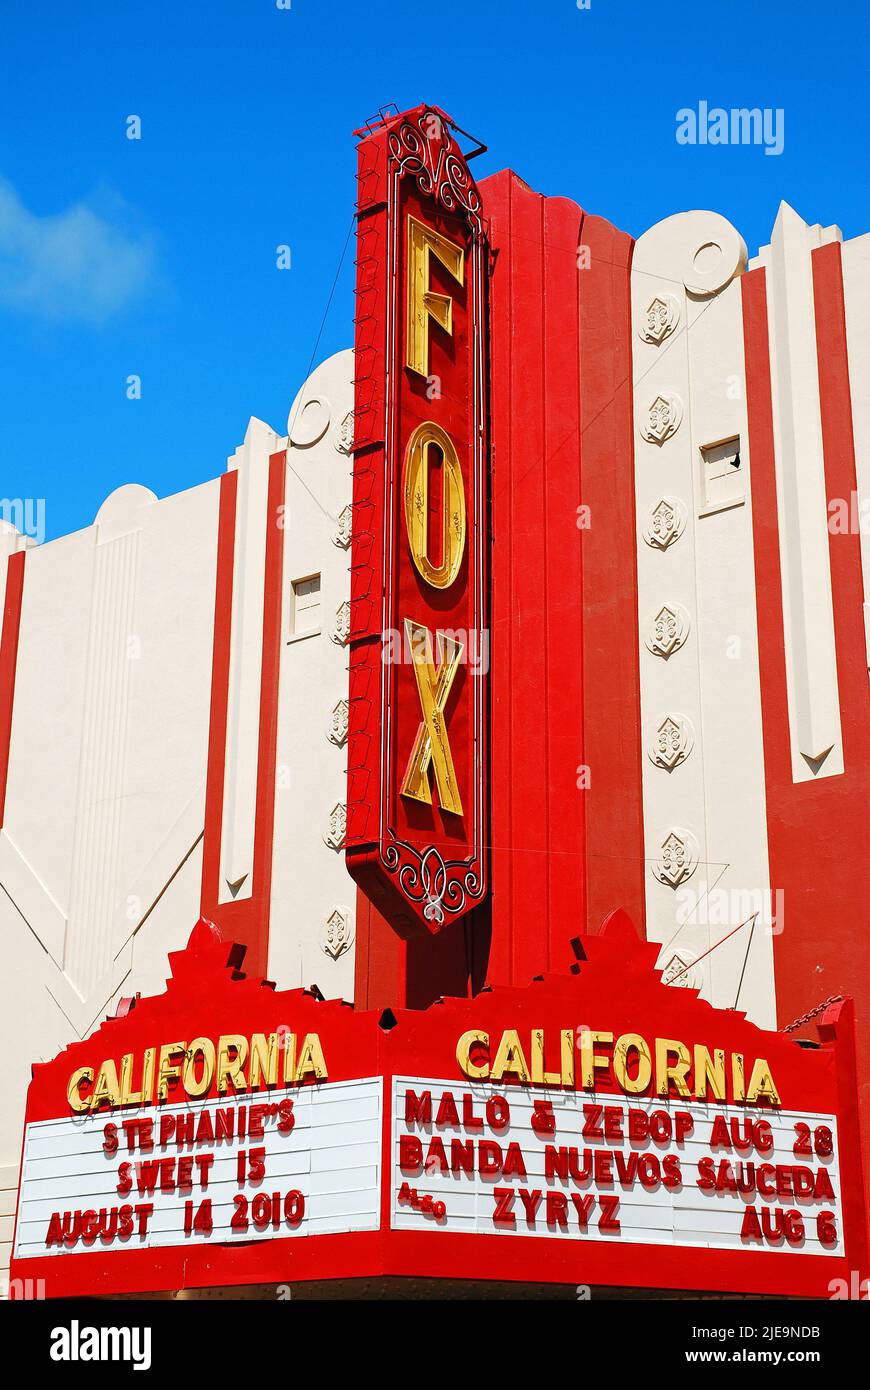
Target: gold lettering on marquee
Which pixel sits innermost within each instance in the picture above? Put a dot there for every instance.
(200, 1048)
(633, 1085)
(590, 1059)
(107, 1088)
(709, 1072)
(423, 302)
(311, 1059)
(431, 744)
(264, 1060)
(73, 1094)
(128, 1095)
(148, 1063)
(167, 1071)
(195, 1066)
(762, 1083)
(232, 1068)
(567, 1051)
(540, 1077)
(416, 495)
(665, 1049)
(473, 1038)
(667, 1063)
(510, 1058)
(289, 1057)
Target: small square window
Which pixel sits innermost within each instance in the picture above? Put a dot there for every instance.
(306, 606)
(723, 482)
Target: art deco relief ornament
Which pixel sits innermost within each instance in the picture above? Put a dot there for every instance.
(344, 435)
(344, 522)
(337, 932)
(659, 319)
(682, 972)
(672, 742)
(335, 835)
(663, 416)
(668, 630)
(666, 523)
(341, 631)
(308, 425)
(678, 859)
(338, 723)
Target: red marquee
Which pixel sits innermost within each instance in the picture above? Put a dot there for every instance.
(591, 1129)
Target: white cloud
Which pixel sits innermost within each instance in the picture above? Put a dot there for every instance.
(76, 265)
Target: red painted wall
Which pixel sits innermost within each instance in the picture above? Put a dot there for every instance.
(247, 919)
(817, 831)
(564, 649)
(564, 596)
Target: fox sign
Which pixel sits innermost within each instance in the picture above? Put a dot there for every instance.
(419, 649)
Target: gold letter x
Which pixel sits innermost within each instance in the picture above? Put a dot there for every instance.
(431, 743)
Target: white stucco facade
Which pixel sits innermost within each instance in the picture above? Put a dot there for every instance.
(101, 850)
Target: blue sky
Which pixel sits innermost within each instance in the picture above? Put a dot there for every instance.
(157, 257)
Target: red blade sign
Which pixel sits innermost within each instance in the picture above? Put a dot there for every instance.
(419, 636)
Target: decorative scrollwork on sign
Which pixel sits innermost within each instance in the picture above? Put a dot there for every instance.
(428, 879)
(666, 523)
(679, 857)
(426, 149)
(663, 416)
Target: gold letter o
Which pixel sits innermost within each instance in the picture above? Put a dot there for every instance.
(416, 493)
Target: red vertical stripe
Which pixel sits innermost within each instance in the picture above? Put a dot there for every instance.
(566, 693)
(379, 959)
(9, 662)
(611, 685)
(220, 677)
(519, 745)
(817, 831)
(765, 533)
(845, 950)
(247, 919)
(564, 615)
(841, 482)
(264, 834)
(497, 196)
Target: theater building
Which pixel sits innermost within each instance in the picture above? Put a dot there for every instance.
(546, 609)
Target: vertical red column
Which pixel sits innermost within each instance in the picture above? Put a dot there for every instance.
(565, 781)
(611, 661)
(817, 831)
(220, 679)
(518, 742)
(245, 920)
(566, 772)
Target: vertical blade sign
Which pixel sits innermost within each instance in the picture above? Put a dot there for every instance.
(419, 640)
